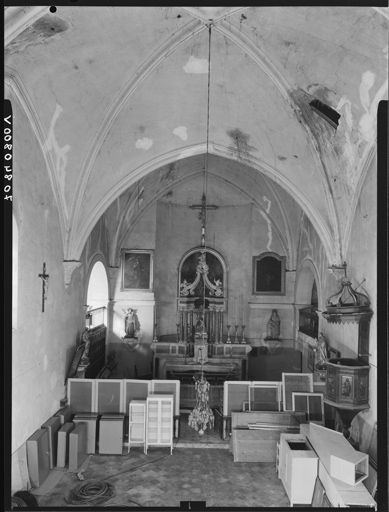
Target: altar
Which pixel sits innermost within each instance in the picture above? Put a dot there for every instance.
(183, 361)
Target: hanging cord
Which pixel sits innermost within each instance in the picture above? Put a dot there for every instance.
(90, 492)
(205, 186)
(208, 98)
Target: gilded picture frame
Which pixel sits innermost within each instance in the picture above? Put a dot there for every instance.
(137, 270)
(269, 274)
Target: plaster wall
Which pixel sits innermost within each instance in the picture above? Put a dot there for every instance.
(42, 342)
(133, 361)
(171, 228)
(361, 260)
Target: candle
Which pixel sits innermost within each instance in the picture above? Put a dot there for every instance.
(242, 312)
(236, 311)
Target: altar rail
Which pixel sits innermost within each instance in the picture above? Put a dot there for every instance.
(181, 357)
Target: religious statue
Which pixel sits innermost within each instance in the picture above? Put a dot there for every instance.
(200, 332)
(85, 339)
(131, 323)
(218, 287)
(273, 326)
(321, 350)
(184, 287)
(202, 267)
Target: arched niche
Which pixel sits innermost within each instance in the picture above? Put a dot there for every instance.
(306, 275)
(202, 280)
(308, 286)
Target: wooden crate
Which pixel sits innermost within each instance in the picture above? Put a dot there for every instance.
(255, 445)
(242, 419)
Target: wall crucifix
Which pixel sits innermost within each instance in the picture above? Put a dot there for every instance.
(203, 207)
(45, 285)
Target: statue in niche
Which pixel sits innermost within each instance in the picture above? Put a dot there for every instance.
(200, 332)
(131, 323)
(273, 326)
(218, 287)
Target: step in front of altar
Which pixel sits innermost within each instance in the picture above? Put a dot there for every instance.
(226, 368)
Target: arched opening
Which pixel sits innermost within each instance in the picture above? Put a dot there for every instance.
(97, 296)
(307, 296)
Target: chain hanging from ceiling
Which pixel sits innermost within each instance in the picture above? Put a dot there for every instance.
(202, 416)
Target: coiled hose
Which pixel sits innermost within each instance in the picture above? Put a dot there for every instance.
(90, 492)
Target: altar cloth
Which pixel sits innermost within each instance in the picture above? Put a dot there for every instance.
(207, 367)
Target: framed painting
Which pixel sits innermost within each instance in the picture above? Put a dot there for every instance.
(265, 396)
(295, 382)
(310, 403)
(137, 270)
(269, 274)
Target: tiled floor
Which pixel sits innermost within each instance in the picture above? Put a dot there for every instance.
(191, 473)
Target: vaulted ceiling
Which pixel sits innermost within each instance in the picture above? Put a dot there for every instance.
(116, 93)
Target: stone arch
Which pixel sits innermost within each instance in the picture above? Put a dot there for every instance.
(97, 291)
(306, 274)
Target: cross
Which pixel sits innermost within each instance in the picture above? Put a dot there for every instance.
(44, 277)
(202, 214)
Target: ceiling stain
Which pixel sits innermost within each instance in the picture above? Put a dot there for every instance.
(322, 93)
(43, 29)
(282, 158)
(169, 174)
(240, 142)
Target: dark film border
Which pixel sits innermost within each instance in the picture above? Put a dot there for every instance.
(8, 136)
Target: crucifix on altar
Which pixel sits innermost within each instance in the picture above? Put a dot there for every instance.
(203, 207)
(45, 284)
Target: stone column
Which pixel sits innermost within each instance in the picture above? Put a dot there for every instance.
(181, 324)
(221, 327)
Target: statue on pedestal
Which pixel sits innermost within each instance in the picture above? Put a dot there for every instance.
(321, 350)
(273, 326)
(131, 323)
(200, 332)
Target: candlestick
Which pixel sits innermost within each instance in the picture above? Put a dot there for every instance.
(236, 334)
(228, 334)
(155, 339)
(243, 338)
(178, 332)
